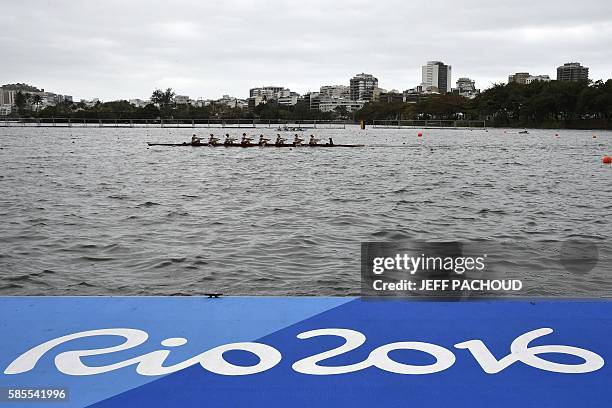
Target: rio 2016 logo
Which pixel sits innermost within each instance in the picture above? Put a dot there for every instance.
(152, 364)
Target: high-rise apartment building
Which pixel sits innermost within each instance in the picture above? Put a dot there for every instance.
(362, 87)
(436, 77)
(572, 71)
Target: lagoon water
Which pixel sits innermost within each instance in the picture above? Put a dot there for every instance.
(95, 211)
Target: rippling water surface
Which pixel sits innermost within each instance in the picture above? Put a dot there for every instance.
(95, 211)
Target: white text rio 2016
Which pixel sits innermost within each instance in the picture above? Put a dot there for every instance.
(152, 364)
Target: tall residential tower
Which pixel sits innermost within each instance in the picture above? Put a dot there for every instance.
(362, 87)
(436, 77)
(572, 71)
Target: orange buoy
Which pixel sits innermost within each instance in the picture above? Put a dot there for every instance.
(607, 160)
(420, 134)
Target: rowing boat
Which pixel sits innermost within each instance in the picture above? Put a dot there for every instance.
(252, 145)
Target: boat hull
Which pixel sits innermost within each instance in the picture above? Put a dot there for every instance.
(251, 145)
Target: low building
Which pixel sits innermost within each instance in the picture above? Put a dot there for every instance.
(327, 104)
(288, 98)
(534, 78)
(200, 103)
(466, 87)
(139, 103)
(229, 101)
(91, 103)
(518, 78)
(312, 100)
(270, 92)
(392, 96)
(5, 109)
(525, 78)
(335, 91)
(181, 99)
(7, 96)
(413, 95)
(572, 71)
(255, 101)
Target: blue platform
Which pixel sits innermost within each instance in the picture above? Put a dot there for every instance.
(276, 322)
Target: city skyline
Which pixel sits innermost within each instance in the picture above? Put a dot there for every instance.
(123, 51)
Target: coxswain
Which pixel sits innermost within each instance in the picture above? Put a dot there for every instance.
(312, 141)
(195, 141)
(228, 140)
(279, 140)
(212, 140)
(245, 140)
(297, 140)
(263, 140)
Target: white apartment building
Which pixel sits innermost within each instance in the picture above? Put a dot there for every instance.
(282, 95)
(181, 99)
(5, 109)
(335, 91)
(362, 87)
(466, 87)
(436, 77)
(139, 103)
(533, 78)
(327, 104)
(269, 92)
(7, 96)
(288, 98)
(91, 103)
(228, 101)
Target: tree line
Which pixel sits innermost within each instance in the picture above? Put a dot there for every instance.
(539, 104)
(554, 104)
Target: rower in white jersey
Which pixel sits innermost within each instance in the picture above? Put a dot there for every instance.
(297, 140)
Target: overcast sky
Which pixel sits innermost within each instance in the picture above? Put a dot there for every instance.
(125, 49)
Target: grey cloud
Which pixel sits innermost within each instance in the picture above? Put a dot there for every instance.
(124, 49)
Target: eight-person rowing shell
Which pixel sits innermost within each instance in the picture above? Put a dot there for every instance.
(247, 141)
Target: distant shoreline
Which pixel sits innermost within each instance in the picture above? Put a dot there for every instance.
(291, 125)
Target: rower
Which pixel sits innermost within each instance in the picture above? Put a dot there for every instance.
(195, 141)
(245, 140)
(279, 140)
(312, 141)
(228, 140)
(263, 140)
(212, 140)
(297, 140)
